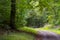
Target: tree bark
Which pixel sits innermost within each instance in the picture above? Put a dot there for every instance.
(12, 15)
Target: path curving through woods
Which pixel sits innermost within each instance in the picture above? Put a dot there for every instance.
(40, 34)
(47, 35)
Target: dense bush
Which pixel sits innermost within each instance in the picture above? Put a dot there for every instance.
(4, 12)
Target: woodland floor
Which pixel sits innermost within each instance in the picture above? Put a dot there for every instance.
(16, 35)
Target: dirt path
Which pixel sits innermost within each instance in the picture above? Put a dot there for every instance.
(46, 35)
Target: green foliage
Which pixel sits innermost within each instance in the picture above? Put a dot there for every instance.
(45, 11)
(22, 9)
(48, 10)
(4, 10)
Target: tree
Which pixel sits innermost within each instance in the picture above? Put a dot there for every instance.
(12, 15)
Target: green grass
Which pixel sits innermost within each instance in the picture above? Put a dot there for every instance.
(35, 30)
(57, 31)
(17, 36)
(28, 29)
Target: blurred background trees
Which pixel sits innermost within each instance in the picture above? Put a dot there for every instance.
(31, 13)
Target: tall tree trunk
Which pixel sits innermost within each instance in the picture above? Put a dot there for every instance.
(12, 15)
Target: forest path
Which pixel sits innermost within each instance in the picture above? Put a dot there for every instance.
(47, 35)
(41, 35)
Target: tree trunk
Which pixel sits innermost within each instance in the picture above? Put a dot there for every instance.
(12, 15)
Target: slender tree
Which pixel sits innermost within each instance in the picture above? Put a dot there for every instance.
(12, 15)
